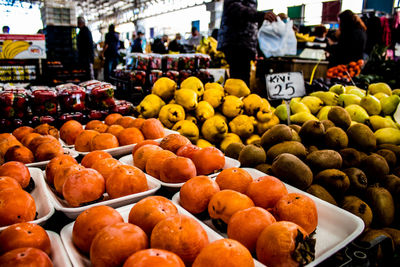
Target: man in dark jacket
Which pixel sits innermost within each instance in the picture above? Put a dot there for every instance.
(111, 46)
(85, 48)
(237, 37)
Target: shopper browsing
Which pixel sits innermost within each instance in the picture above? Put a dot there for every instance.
(85, 48)
(110, 51)
(237, 37)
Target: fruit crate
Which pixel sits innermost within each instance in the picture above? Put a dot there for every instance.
(14, 71)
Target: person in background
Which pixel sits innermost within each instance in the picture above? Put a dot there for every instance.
(237, 36)
(194, 40)
(137, 46)
(110, 51)
(160, 45)
(6, 29)
(85, 48)
(176, 44)
(352, 39)
(320, 34)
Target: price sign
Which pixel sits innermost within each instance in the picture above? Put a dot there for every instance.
(285, 85)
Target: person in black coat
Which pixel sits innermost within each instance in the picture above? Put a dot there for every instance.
(176, 44)
(85, 48)
(111, 54)
(352, 39)
(237, 36)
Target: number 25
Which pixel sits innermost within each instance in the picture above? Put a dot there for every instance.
(288, 86)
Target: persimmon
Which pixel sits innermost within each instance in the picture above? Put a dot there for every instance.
(97, 126)
(155, 162)
(126, 180)
(22, 235)
(152, 129)
(19, 153)
(224, 252)
(115, 129)
(84, 140)
(112, 118)
(225, 203)
(22, 131)
(104, 141)
(83, 186)
(125, 121)
(48, 150)
(22, 257)
(208, 160)
(91, 158)
(7, 182)
(155, 258)
(47, 129)
(16, 206)
(33, 145)
(297, 208)
(235, 179)
(196, 193)
(113, 244)
(106, 166)
(54, 164)
(142, 154)
(90, 222)
(145, 142)
(63, 173)
(180, 234)
(177, 170)
(173, 142)
(187, 151)
(150, 211)
(278, 243)
(26, 140)
(70, 130)
(16, 170)
(246, 225)
(130, 136)
(138, 123)
(265, 191)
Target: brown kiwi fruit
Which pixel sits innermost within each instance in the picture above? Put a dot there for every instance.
(375, 167)
(335, 181)
(321, 193)
(312, 132)
(358, 180)
(389, 155)
(359, 208)
(382, 205)
(350, 157)
(324, 159)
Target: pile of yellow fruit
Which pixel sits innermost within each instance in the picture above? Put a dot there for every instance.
(209, 115)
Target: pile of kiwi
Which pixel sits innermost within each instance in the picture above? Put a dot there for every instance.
(336, 161)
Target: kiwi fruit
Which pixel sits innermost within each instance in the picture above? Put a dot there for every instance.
(321, 193)
(375, 167)
(277, 134)
(312, 132)
(392, 183)
(335, 181)
(233, 150)
(382, 205)
(359, 208)
(361, 137)
(350, 157)
(311, 149)
(327, 124)
(292, 147)
(336, 138)
(358, 180)
(395, 234)
(324, 159)
(340, 117)
(251, 156)
(389, 155)
(395, 149)
(292, 170)
(295, 127)
(265, 168)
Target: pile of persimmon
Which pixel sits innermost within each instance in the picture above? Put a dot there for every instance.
(117, 130)
(258, 213)
(175, 159)
(98, 173)
(28, 145)
(16, 204)
(344, 71)
(155, 235)
(25, 244)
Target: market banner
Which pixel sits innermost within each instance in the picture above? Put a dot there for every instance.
(21, 46)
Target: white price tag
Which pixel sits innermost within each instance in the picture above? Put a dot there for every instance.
(285, 85)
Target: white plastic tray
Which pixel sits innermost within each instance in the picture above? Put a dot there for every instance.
(71, 212)
(44, 207)
(59, 255)
(336, 227)
(123, 150)
(42, 164)
(78, 259)
(229, 163)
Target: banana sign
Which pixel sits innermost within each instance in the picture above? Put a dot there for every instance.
(18, 46)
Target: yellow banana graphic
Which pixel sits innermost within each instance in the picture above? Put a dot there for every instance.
(15, 48)
(6, 43)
